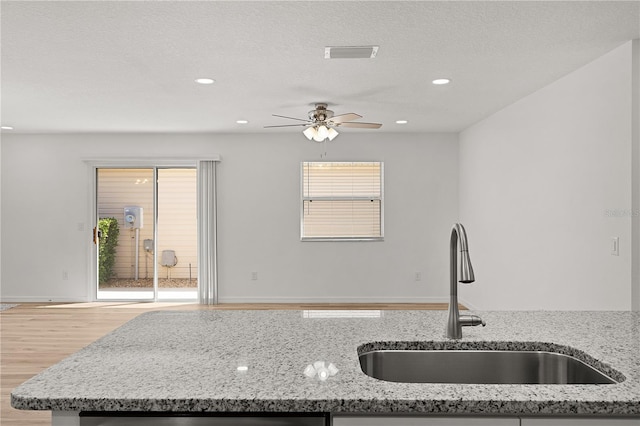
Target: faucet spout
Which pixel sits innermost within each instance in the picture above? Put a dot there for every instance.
(455, 321)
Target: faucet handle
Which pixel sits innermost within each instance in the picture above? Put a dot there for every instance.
(471, 320)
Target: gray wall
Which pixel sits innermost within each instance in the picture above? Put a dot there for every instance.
(46, 194)
(544, 186)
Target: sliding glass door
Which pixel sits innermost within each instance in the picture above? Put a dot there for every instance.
(125, 206)
(177, 235)
(146, 233)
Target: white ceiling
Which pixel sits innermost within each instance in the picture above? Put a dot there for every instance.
(99, 66)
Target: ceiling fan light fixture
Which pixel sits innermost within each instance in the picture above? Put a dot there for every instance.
(332, 133)
(309, 132)
(322, 133)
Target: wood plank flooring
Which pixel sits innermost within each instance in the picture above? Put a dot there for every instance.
(36, 336)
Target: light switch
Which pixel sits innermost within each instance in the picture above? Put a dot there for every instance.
(615, 246)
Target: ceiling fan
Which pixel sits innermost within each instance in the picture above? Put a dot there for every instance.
(321, 123)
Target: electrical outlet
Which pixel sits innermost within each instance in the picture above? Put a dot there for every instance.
(65, 275)
(418, 276)
(254, 276)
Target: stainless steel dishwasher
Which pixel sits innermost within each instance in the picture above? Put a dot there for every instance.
(202, 419)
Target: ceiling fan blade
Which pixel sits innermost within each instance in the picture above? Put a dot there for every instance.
(344, 117)
(290, 118)
(361, 125)
(287, 125)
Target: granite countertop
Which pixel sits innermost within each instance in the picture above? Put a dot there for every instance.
(188, 361)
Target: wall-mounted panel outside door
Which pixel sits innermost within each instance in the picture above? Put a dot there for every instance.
(147, 250)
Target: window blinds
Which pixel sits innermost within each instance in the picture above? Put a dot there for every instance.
(342, 200)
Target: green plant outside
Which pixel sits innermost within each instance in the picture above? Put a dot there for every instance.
(109, 231)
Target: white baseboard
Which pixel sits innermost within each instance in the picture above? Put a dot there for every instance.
(249, 299)
(42, 299)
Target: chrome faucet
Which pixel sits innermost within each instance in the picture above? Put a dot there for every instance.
(455, 322)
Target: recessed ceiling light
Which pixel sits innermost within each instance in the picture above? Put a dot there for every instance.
(440, 81)
(242, 121)
(401, 121)
(205, 80)
(6, 127)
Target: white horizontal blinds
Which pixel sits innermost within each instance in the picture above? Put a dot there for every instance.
(342, 200)
(341, 218)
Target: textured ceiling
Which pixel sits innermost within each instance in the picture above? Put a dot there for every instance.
(99, 66)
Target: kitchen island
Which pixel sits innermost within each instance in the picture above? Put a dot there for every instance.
(254, 362)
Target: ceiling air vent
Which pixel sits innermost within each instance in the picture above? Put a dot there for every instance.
(350, 52)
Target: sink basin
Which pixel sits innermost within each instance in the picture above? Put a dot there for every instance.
(479, 366)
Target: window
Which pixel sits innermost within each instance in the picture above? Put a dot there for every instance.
(342, 201)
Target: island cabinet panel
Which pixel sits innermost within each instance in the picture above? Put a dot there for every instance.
(598, 421)
(196, 419)
(65, 418)
(424, 421)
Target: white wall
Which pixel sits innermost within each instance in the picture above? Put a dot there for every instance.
(46, 199)
(0, 215)
(536, 182)
(635, 219)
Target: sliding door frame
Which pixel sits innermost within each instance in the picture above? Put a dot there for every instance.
(149, 163)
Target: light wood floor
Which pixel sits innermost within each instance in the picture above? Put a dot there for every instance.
(36, 336)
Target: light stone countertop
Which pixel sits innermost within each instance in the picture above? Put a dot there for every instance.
(187, 361)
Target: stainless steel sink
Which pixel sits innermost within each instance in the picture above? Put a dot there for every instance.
(479, 366)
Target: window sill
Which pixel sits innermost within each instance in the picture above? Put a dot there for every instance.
(334, 239)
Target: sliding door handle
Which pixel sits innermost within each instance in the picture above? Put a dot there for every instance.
(96, 235)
